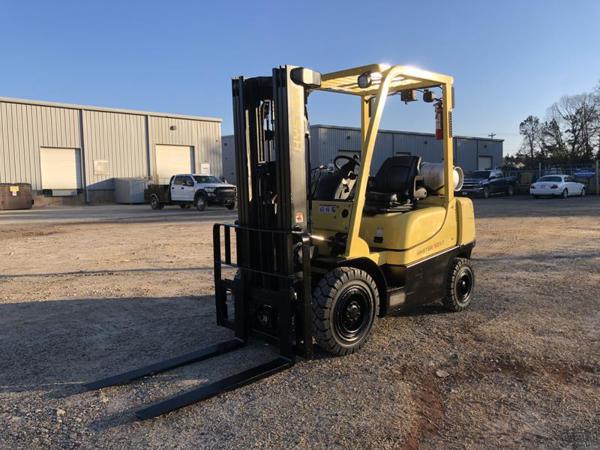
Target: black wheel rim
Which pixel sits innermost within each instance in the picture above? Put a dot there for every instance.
(353, 314)
(463, 286)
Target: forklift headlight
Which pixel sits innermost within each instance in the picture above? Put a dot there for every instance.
(365, 80)
(368, 79)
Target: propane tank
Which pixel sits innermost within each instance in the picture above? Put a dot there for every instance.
(439, 121)
(433, 176)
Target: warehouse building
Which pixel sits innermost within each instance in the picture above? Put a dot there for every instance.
(75, 153)
(327, 142)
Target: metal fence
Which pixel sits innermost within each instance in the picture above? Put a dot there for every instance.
(586, 174)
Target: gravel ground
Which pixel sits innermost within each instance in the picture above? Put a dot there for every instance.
(82, 300)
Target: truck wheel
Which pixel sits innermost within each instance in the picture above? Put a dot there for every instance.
(582, 192)
(345, 305)
(511, 190)
(460, 285)
(565, 193)
(230, 206)
(155, 203)
(200, 202)
(486, 192)
(185, 206)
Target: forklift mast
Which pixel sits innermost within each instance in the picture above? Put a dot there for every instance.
(271, 129)
(272, 291)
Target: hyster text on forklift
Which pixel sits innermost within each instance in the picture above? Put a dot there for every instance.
(321, 254)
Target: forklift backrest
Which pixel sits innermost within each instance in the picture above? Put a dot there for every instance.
(397, 175)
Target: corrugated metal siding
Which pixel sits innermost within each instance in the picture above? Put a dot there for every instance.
(493, 149)
(228, 155)
(428, 148)
(119, 139)
(384, 149)
(465, 153)
(24, 129)
(327, 141)
(123, 138)
(205, 137)
(333, 139)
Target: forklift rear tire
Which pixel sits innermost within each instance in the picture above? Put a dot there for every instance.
(460, 285)
(345, 306)
(200, 203)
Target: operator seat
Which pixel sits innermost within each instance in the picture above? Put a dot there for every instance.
(394, 188)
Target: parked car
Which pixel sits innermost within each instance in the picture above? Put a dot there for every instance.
(557, 186)
(488, 182)
(188, 190)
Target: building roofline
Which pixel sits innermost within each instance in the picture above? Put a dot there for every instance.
(111, 110)
(412, 133)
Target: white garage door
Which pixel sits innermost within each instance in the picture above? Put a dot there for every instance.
(484, 163)
(60, 168)
(173, 159)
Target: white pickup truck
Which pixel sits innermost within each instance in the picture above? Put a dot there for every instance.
(190, 189)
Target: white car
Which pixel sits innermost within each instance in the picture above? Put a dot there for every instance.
(558, 186)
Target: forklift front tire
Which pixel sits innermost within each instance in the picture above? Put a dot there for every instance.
(460, 285)
(345, 306)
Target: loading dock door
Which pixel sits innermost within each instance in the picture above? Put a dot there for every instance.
(61, 168)
(172, 160)
(484, 163)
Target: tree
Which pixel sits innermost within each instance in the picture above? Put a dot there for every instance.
(577, 118)
(570, 133)
(531, 131)
(552, 141)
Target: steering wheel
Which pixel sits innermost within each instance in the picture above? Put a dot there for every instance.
(345, 158)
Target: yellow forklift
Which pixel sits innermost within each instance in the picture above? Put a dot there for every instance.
(317, 255)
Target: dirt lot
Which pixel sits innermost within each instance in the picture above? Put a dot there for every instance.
(81, 298)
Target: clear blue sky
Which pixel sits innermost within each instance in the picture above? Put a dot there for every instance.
(509, 58)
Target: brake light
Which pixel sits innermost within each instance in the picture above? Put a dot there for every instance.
(554, 186)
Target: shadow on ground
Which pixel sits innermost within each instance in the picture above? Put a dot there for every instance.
(60, 345)
(50, 344)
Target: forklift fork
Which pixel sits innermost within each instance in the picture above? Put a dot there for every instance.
(169, 364)
(198, 394)
(211, 390)
(272, 294)
(290, 344)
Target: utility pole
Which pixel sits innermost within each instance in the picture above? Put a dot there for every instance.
(491, 135)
